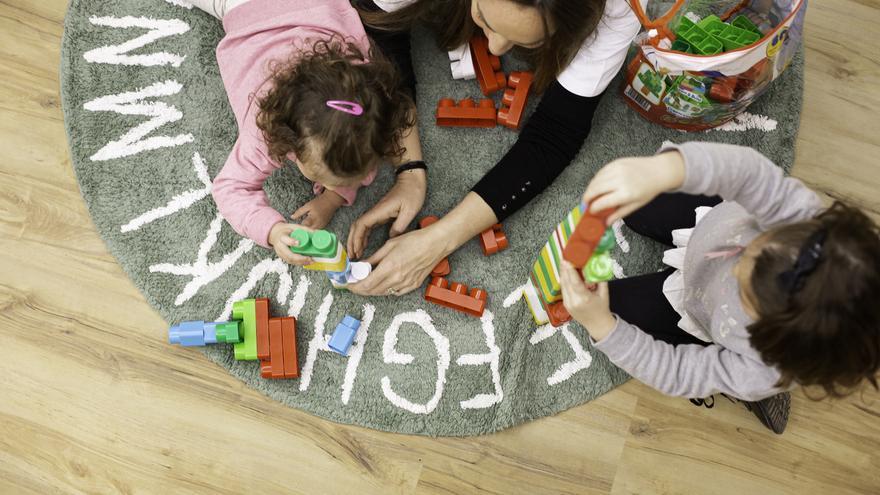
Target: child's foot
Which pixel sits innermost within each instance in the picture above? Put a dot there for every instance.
(772, 411)
(317, 213)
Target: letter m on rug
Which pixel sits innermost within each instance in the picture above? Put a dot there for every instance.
(135, 103)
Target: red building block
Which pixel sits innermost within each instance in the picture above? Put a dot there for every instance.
(288, 345)
(487, 66)
(466, 113)
(455, 296)
(274, 366)
(442, 269)
(493, 240)
(513, 103)
(722, 89)
(585, 238)
(557, 314)
(262, 312)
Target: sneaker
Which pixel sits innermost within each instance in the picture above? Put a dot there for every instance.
(772, 411)
(708, 402)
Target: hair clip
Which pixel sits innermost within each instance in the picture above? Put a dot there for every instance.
(346, 106)
(808, 259)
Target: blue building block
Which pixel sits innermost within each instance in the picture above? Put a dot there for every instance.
(199, 333)
(344, 334)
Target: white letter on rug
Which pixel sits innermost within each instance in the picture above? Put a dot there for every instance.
(582, 358)
(203, 272)
(156, 30)
(482, 401)
(132, 103)
(391, 356)
(180, 202)
(259, 272)
(181, 3)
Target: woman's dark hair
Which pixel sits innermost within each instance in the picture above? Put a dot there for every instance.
(826, 332)
(573, 22)
(294, 115)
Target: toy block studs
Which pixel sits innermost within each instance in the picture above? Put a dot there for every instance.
(493, 240)
(486, 66)
(515, 98)
(320, 244)
(462, 63)
(456, 296)
(344, 335)
(442, 269)
(466, 114)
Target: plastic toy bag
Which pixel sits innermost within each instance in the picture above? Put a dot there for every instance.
(699, 63)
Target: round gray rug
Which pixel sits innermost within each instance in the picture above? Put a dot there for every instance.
(149, 126)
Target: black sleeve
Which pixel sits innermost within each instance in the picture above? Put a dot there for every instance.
(394, 44)
(549, 141)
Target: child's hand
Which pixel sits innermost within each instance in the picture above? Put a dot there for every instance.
(280, 240)
(589, 307)
(627, 184)
(317, 213)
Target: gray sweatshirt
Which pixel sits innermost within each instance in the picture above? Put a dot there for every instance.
(757, 197)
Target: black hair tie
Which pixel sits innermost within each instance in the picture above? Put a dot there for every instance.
(809, 257)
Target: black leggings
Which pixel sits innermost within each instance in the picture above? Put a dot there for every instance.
(640, 300)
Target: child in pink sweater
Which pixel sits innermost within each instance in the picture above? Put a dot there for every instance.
(305, 89)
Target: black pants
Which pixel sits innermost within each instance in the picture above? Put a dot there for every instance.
(640, 300)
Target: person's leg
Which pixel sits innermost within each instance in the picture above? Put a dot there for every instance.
(217, 8)
(640, 301)
(667, 212)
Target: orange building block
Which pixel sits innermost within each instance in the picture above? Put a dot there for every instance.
(557, 314)
(493, 240)
(585, 238)
(466, 113)
(456, 296)
(442, 269)
(513, 104)
(723, 89)
(288, 345)
(274, 366)
(262, 312)
(487, 66)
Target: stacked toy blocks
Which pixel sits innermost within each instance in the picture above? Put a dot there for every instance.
(466, 113)
(329, 256)
(712, 36)
(486, 66)
(493, 240)
(442, 269)
(515, 98)
(583, 240)
(456, 296)
(253, 334)
(344, 334)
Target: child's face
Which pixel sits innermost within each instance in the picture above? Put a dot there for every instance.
(318, 172)
(743, 273)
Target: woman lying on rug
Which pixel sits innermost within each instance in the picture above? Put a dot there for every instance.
(298, 77)
(578, 45)
(768, 290)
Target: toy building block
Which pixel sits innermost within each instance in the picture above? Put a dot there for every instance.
(442, 269)
(513, 104)
(683, 46)
(274, 366)
(600, 268)
(462, 63)
(487, 66)
(324, 249)
(354, 272)
(723, 89)
(530, 294)
(456, 296)
(466, 113)
(288, 346)
(745, 23)
(261, 306)
(344, 334)
(493, 240)
(731, 37)
(586, 237)
(246, 312)
(200, 333)
(557, 314)
(701, 41)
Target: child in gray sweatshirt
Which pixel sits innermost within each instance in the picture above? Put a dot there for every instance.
(769, 290)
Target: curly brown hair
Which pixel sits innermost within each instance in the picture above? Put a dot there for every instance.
(826, 333)
(574, 21)
(294, 116)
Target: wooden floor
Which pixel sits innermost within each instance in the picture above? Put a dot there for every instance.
(92, 400)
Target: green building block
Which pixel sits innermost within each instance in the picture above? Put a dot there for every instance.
(731, 37)
(607, 242)
(227, 332)
(709, 24)
(702, 42)
(318, 244)
(600, 268)
(744, 22)
(681, 45)
(246, 312)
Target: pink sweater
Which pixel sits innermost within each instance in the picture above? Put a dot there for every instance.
(258, 32)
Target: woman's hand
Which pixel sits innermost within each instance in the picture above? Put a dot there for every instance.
(590, 307)
(402, 203)
(280, 240)
(403, 263)
(627, 184)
